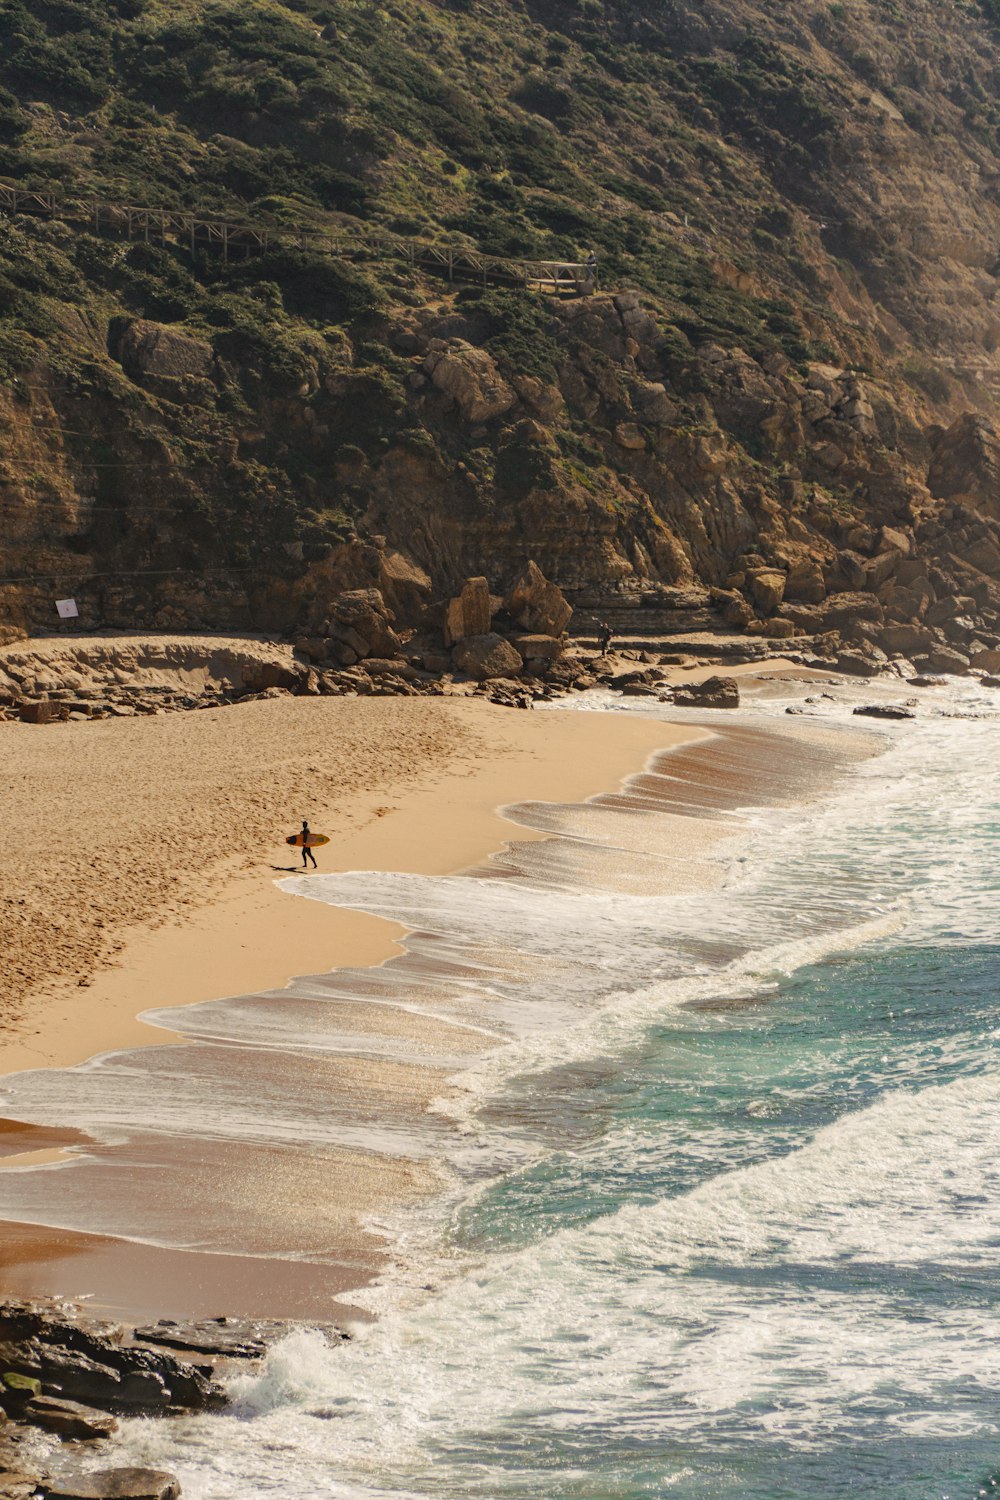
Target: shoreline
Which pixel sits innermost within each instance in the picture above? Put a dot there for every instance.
(251, 931)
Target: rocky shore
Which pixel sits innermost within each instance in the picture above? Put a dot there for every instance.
(871, 608)
(66, 1379)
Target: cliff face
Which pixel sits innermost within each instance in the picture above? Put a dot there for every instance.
(796, 216)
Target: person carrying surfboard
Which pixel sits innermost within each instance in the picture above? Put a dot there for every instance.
(306, 851)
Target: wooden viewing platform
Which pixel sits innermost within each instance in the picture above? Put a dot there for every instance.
(224, 237)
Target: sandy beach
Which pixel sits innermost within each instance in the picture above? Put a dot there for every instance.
(163, 852)
(139, 858)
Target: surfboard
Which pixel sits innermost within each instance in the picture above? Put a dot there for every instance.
(312, 841)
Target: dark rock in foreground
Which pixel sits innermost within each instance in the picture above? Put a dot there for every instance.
(95, 1366)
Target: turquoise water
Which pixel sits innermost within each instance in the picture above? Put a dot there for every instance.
(709, 1095)
(741, 1234)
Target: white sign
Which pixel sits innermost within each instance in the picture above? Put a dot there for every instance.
(67, 609)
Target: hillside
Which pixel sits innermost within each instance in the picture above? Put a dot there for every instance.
(796, 214)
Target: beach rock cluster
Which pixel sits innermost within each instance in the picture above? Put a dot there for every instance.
(70, 1378)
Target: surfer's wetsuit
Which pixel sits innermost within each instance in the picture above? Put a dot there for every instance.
(306, 851)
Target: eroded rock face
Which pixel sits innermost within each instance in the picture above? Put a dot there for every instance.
(483, 656)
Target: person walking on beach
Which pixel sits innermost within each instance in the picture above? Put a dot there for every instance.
(306, 851)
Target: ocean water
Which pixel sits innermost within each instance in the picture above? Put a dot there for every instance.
(720, 1214)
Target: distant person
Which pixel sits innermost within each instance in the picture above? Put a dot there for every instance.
(604, 634)
(307, 853)
(591, 264)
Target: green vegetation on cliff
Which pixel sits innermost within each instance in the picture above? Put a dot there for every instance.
(801, 184)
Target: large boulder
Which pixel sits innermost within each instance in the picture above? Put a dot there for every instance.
(538, 606)
(470, 377)
(471, 613)
(489, 655)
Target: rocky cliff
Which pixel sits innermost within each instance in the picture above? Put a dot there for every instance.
(782, 393)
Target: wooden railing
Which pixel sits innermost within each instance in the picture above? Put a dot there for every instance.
(227, 238)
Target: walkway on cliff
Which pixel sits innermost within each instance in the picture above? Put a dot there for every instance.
(182, 226)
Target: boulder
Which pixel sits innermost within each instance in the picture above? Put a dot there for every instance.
(843, 609)
(714, 692)
(471, 613)
(777, 629)
(487, 655)
(68, 1419)
(643, 677)
(470, 377)
(986, 661)
(114, 1484)
(538, 606)
(378, 666)
(42, 711)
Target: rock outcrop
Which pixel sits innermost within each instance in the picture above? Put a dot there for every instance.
(62, 1375)
(713, 692)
